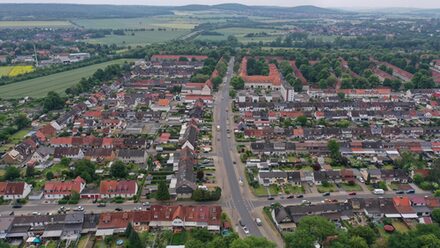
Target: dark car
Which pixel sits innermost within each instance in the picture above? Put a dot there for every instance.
(300, 196)
(290, 197)
(17, 206)
(241, 223)
(270, 198)
(118, 209)
(399, 192)
(326, 194)
(410, 191)
(352, 193)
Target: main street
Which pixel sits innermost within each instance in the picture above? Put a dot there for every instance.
(224, 145)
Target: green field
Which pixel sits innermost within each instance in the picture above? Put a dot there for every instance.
(240, 33)
(172, 22)
(59, 82)
(140, 38)
(35, 24)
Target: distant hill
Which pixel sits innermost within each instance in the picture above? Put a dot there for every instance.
(69, 11)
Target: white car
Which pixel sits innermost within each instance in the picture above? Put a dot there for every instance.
(245, 230)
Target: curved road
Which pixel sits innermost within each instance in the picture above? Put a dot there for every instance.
(238, 202)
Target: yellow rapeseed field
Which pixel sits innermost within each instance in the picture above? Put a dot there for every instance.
(20, 69)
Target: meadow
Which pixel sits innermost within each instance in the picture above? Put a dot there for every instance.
(16, 70)
(35, 24)
(241, 33)
(58, 82)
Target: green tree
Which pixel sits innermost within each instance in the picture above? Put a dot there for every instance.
(118, 170)
(201, 234)
(317, 227)
(299, 239)
(30, 171)
(435, 214)
(162, 192)
(194, 243)
(53, 101)
(133, 240)
(11, 173)
(49, 175)
(365, 232)
(301, 120)
(216, 82)
(333, 147)
(21, 121)
(237, 83)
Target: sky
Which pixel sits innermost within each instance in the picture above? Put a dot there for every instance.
(370, 4)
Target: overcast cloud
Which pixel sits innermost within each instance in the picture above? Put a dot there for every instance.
(321, 3)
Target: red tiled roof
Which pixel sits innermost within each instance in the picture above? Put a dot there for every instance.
(197, 97)
(177, 57)
(117, 187)
(273, 78)
(63, 188)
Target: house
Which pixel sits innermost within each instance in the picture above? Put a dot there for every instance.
(348, 176)
(99, 154)
(60, 189)
(12, 157)
(403, 206)
(161, 105)
(266, 178)
(14, 190)
(113, 222)
(132, 156)
(68, 152)
(116, 188)
(45, 133)
(161, 57)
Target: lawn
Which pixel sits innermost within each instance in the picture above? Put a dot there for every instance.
(56, 169)
(83, 241)
(348, 187)
(18, 136)
(400, 226)
(140, 38)
(58, 82)
(35, 24)
(262, 191)
(330, 188)
(292, 189)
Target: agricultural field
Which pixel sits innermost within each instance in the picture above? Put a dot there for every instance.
(140, 37)
(172, 22)
(35, 24)
(241, 33)
(12, 71)
(59, 82)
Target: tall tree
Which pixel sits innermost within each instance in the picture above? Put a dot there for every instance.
(162, 192)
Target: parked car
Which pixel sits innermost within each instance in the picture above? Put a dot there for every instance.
(326, 194)
(101, 205)
(245, 230)
(290, 197)
(270, 198)
(17, 206)
(118, 209)
(399, 192)
(300, 196)
(258, 221)
(241, 223)
(352, 193)
(410, 191)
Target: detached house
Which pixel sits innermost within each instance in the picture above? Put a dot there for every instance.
(14, 190)
(59, 189)
(113, 188)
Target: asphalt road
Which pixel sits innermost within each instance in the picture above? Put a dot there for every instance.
(225, 145)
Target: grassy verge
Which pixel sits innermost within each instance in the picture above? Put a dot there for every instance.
(330, 188)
